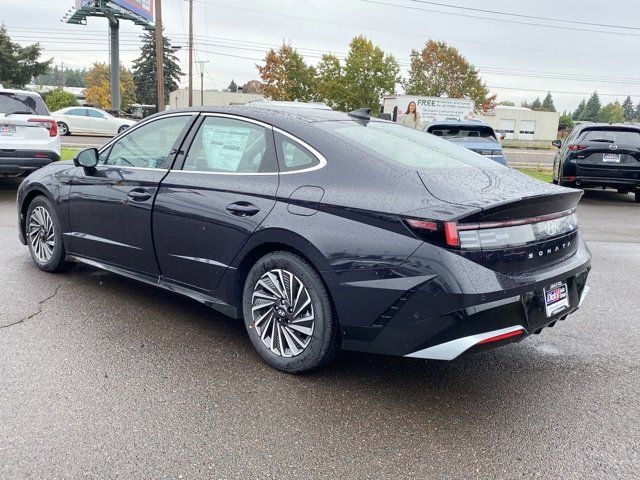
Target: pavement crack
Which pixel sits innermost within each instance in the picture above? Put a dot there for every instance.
(38, 311)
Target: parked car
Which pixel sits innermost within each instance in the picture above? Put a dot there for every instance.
(320, 229)
(90, 120)
(28, 134)
(600, 155)
(474, 135)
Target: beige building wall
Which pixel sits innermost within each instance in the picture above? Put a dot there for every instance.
(212, 98)
(523, 124)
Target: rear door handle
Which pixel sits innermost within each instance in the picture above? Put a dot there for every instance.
(139, 194)
(242, 209)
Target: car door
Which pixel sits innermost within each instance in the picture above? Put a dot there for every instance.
(99, 122)
(76, 119)
(215, 197)
(110, 205)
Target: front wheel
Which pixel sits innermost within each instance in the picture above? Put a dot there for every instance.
(44, 236)
(288, 314)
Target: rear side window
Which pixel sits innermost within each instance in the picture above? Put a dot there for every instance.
(622, 137)
(294, 156)
(23, 103)
(409, 147)
(95, 114)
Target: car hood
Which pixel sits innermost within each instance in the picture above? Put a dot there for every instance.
(480, 189)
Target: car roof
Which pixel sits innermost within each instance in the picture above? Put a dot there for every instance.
(283, 117)
(19, 92)
(460, 123)
(605, 126)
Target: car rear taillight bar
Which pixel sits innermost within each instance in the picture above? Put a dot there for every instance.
(50, 125)
(575, 147)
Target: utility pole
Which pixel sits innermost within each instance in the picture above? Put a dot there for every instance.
(191, 53)
(61, 75)
(159, 56)
(201, 63)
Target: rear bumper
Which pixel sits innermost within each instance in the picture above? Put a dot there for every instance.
(610, 182)
(518, 310)
(15, 162)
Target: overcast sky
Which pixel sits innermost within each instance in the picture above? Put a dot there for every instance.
(517, 61)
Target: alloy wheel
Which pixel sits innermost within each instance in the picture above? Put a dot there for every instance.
(41, 234)
(62, 129)
(282, 313)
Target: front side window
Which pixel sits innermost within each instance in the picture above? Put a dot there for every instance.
(409, 147)
(149, 145)
(227, 145)
(77, 112)
(95, 114)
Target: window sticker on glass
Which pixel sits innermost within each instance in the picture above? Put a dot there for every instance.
(224, 146)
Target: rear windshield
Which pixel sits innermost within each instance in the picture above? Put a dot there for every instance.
(622, 137)
(409, 147)
(462, 132)
(22, 103)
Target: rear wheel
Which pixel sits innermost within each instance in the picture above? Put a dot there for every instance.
(63, 129)
(288, 314)
(122, 129)
(44, 237)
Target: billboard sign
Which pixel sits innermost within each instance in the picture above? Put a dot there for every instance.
(143, 8)
(429, 109)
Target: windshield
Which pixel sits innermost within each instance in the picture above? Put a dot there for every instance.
(479, 133)
(623, 137)
(24, 103)
(409, 147)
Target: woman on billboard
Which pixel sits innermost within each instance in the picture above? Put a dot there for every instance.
(410, 118)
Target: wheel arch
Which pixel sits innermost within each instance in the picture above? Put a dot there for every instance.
(34, 192)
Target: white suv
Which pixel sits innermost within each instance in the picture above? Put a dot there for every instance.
(28, 133)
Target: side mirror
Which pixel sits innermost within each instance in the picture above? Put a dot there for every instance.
(557, 143)
(86, 158)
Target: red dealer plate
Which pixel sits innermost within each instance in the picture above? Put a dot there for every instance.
(556, 298)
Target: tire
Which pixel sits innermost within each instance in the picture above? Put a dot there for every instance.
(637, 197)
(290, 344)
(42, 228)
(63, 129)
(122, 129)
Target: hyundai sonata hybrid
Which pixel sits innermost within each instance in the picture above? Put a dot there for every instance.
(321, 230)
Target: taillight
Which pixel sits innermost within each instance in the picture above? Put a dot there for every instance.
(50, 125)
(575, 147)
(451, 237)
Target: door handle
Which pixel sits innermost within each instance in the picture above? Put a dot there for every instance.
(242, 209)
(139, 194)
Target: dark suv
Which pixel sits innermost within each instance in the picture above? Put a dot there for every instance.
(600, 155)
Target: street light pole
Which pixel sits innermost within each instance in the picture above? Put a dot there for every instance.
(159, 56)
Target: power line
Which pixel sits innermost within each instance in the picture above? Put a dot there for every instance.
(520, 15)
(502, 20)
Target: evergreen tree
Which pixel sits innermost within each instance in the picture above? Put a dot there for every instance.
(18, 65)
(591, 109)
(232, 86)
(547, 104)
(575, 116)
(629, 111)
(636, 117)
(536, 104)
(144, 70)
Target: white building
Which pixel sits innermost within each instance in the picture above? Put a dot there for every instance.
(523, 125)
(212, 98)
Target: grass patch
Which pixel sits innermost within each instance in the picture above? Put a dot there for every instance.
(68, 153)
(543, 176)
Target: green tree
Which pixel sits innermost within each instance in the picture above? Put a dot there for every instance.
(286, 76)
(547, 104)
(536, 104)
(98, 91)
(144, 70)
(575, 116)
(331, 87)
(637, 115)
(72, 77)
(440, 70)
(57, 99)
(565, 122)
(233, 87)
(629, 111)
(507, 103)
(19, 65)
(369, 73)
(591, 109)
(253, 86)
(611, 113)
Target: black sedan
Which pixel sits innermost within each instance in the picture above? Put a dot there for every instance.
(322, 230)
(600, 155)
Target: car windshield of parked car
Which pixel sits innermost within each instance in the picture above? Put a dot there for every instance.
(409, 147)
(470, 133)
(622, 137)
(17, 102)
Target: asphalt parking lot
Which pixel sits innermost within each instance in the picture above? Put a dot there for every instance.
(102, 377)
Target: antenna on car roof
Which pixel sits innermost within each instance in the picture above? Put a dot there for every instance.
(361, 113)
